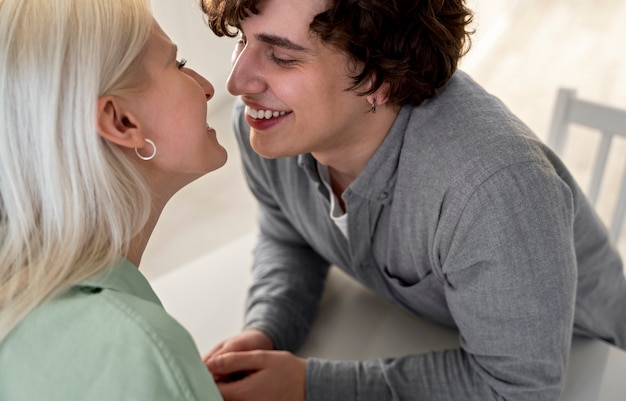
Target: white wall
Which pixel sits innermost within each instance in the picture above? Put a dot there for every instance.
(209, 55)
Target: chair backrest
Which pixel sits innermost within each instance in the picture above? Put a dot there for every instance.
(611, 122)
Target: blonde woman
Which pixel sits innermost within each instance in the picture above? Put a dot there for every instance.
(101, 125)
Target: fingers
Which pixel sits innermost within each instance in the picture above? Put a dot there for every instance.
(237, 362)
(213, 351)
(234, 367)
(217, 350)
(248, 340)
(261, 376)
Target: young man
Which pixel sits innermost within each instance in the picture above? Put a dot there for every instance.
(366, 149)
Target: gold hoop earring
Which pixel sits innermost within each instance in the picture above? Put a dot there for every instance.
(154, 151)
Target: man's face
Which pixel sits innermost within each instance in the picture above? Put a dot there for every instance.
(294, 86)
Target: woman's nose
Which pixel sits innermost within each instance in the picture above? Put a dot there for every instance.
(206, 86)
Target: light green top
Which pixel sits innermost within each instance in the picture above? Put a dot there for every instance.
(108, 338)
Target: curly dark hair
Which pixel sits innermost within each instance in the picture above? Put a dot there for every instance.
(413, 45)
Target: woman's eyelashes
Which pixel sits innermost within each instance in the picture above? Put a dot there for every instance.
(182, 63)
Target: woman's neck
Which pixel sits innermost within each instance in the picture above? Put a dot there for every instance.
(139, 242)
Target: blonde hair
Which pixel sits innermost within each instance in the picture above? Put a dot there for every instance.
(70, 202)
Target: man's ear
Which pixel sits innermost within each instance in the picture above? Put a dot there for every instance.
(381, 95)
(116, 124)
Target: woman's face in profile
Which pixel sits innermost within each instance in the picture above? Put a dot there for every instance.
(172, 110)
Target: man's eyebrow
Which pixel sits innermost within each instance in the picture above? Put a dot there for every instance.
(280, 42)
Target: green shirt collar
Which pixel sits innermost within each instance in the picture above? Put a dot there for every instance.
(123, 277)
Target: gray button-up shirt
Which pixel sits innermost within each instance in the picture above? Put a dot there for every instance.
(461, 216)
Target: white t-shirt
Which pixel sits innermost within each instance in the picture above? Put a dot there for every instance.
(337, 214)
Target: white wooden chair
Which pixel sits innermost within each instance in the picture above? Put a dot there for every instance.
(611, 122)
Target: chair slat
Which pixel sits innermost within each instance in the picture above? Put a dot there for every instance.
(611, 122)
(602, 156)
(620, 211)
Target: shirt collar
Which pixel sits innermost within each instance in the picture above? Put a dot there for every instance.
(377, 180)
(124, 277)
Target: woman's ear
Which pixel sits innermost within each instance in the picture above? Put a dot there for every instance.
(116, 124)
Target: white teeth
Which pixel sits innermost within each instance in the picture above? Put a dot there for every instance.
(263, 114)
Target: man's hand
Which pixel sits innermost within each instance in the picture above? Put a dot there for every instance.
(247, 340)
(259, 375)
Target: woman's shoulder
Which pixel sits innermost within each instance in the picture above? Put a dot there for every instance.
(103, 342)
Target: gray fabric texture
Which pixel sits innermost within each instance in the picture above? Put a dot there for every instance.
(463, 217)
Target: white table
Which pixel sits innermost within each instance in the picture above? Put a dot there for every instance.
(208, 295)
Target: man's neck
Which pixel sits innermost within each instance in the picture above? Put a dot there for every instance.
(345, 165)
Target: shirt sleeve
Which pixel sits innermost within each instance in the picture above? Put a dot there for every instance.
(509, 272)
(288, 275)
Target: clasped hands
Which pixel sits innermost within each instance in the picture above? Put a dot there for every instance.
(245, 368)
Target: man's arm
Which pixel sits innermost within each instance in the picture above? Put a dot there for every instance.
(509, 272)
(288, 275)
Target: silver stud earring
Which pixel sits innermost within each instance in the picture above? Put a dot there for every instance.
(154, 151)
